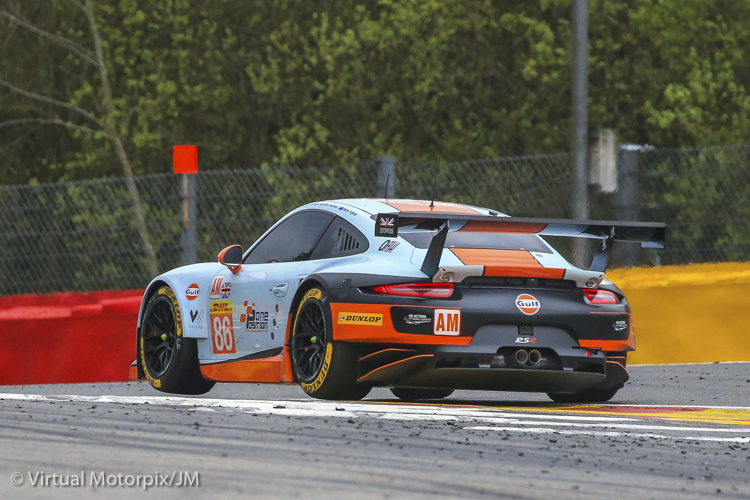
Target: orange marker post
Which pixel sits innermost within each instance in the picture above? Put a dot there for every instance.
(185, 162)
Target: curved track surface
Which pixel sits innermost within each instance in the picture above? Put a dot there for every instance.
(680, 431)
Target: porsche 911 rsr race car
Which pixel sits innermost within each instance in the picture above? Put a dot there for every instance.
(421, 297)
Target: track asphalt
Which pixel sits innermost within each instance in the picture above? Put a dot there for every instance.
(679, 431)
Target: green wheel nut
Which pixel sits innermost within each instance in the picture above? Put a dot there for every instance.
(164, 336)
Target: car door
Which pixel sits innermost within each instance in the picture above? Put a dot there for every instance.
(261, 293)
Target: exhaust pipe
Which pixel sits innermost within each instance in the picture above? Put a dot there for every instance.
(535, 357)
(522, 356)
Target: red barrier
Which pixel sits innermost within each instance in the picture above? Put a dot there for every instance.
(68, 337)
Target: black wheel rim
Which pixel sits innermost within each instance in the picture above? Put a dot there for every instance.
(159, 337)
(310, 341)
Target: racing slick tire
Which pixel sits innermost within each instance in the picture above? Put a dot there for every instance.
(414, 394)
(169, 361)
(616, 377)
(324, 368)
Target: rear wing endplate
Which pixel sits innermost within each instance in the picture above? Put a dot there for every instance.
(648, 234)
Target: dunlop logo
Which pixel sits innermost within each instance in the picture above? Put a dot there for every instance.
(349, 318)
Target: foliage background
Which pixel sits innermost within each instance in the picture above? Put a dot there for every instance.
(292, 101)
(293, 82)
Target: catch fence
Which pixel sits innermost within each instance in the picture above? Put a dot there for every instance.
(77, 236)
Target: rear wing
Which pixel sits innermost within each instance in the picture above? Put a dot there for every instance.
(648, 234)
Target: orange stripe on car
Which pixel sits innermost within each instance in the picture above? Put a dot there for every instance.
(133, 371)
(506, 263)
(288, 373)
(610, 345)
(269, 370)
(408, 362)
(500, 226)
(385, 332)
(381, 352)
(424, 206)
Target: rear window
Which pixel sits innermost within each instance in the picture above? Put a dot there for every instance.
(491, 241)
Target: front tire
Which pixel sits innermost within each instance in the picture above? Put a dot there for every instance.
(169, 361)
(325, 369)
(415, 394)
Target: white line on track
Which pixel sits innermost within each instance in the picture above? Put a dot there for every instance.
(498, 418)
(543, 430)
(317, 408)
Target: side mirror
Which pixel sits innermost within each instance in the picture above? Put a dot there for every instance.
(231, 257)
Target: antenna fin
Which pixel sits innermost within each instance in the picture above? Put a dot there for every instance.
(385, 195)
(434, 184)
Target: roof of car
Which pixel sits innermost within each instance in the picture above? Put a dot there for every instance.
(382, 205)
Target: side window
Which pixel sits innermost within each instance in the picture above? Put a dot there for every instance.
(340, 239)
(293, 240)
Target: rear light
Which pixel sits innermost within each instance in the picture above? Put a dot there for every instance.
(600, 296)
(426, 290)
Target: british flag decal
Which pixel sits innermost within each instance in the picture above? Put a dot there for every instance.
(386, 225)
(226, 290)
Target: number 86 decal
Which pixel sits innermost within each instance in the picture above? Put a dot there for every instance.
(222, 331)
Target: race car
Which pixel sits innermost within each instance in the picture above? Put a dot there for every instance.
(421, 297)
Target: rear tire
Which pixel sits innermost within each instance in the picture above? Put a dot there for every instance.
(324, 368)
(169, 361)
(414, 394)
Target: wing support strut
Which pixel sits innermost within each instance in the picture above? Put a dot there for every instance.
(601, 259)
(435, 251)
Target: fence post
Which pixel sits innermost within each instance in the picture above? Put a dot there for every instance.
(387, 167)
(580, 120)
(626, 199)
(189, 234)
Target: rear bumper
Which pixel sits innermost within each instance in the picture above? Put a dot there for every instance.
(487, 366)
(505, 379)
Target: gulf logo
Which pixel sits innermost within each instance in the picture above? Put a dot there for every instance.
(192, 291)
(528, 304)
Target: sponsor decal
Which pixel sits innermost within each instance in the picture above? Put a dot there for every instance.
(216, 285)
(255, 321)
(312, 293)
(386, 225)
(192, 291)
(620, 325)
(196, 316)
(350, 212)
(447, 322)
(222, 330)
(525, 340)
(349, 318)
(388, 246)
(417, 319)
(336, 207)
(528, 304)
